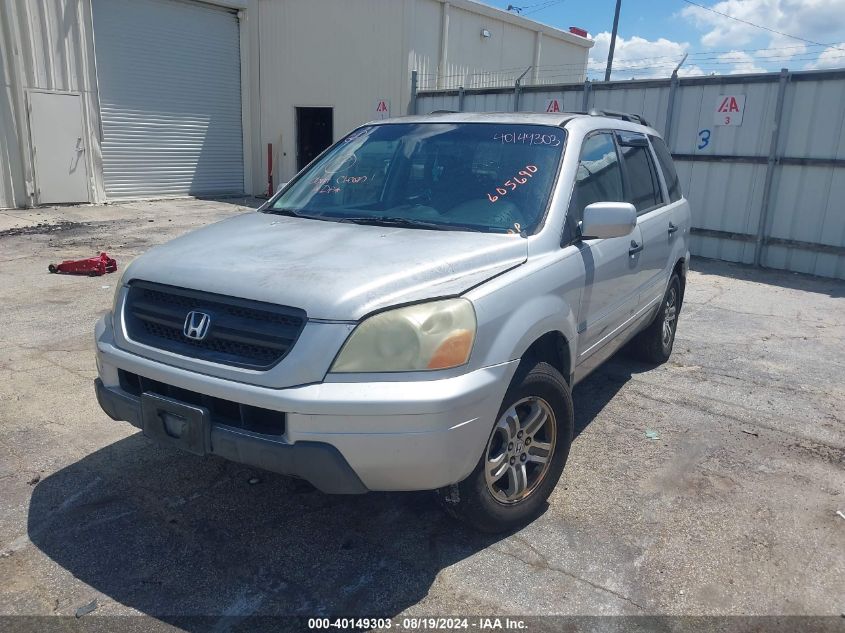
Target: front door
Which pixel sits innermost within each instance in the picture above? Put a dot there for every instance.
(59, 146)
(610, 265)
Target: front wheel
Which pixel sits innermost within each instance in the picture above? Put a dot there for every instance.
(524, 456)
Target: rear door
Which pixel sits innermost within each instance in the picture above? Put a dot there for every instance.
(676, 213)
(610, 291)
(643, 189)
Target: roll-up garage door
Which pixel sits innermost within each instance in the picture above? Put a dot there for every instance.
(168, 74)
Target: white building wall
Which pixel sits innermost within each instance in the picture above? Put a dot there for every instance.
(560, 62)
(497, 59)
(327, 53)
(43, 46)
(349, 55)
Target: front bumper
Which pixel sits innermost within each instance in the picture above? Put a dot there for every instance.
(343, 437)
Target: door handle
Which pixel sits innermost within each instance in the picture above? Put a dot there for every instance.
(672, 228)
(635, 248)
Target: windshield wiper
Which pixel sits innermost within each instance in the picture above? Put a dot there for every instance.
(293, 213)
(407, 223)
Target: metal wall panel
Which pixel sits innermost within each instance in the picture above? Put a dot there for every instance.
(43, 46)
(648, 102)
(533, 101)
(808, 207)
(170, 98)
(731, 207)
(815, 116)
(725, 171)
(11, 167)
(498, 102)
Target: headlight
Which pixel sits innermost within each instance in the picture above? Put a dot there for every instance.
(436, 335)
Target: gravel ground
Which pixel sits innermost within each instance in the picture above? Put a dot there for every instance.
(728, 505)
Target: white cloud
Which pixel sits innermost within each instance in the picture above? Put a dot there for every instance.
(637, 57)
(831, 57)
(817, 20)
(742, 63)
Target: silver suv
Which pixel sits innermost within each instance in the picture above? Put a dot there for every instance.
(412, 311)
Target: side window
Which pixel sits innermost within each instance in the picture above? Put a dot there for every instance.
(642, 185)
(667, 166)
(599, 179)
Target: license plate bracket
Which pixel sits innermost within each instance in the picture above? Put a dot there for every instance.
(174, 423)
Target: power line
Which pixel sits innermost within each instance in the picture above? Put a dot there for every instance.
(631, 64)
(546, 5)
(765, 28)
(501, 76)
(700, 57)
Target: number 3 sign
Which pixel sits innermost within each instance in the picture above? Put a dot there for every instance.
(729, 110)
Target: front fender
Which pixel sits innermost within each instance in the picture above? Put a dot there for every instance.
(516, 309)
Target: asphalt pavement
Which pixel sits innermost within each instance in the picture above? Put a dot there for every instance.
(707, 486)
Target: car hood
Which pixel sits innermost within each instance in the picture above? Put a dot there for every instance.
(331, 270)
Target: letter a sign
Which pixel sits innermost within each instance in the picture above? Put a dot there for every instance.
(552, 105)
(729, 109)
(382, 109)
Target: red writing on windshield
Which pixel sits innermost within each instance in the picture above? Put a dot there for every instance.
(514, 182)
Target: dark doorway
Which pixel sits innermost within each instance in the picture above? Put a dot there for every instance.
(314, 133)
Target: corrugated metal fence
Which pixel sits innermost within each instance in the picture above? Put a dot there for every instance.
(769, 191)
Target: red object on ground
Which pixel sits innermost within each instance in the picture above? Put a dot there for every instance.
(93, 266)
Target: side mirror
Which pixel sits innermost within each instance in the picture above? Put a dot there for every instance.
(603, 220)
(281, 186)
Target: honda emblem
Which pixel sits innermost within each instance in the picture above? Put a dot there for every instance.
(196, 325)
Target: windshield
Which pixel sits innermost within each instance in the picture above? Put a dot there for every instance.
(470, 176)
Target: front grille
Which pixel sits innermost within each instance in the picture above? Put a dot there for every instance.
(243, 333)
(225, 412)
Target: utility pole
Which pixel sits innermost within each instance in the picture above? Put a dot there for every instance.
(612, 41)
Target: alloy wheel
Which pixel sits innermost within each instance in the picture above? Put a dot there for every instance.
(670, 315)
(520, 450)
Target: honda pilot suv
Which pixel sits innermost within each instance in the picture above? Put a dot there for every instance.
(412, 311)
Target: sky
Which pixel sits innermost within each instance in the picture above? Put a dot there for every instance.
(655, 34)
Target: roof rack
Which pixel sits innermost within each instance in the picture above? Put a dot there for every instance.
(625, 116)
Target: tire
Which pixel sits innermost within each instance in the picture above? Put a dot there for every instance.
(52, 268)
(654, 344)
(540, 398)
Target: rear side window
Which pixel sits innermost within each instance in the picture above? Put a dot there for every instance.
(599, 179)
(642, 186)
(667, 166)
